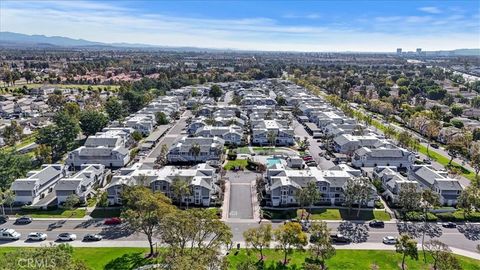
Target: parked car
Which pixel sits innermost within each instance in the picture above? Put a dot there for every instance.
(37, 236)
(389, 240)
(376, 224)
(305, 225)
(112, 221)
(66, 237)
(427, 161)
(339, 238)
(9, 234)
(434, 145)
(92, 237)
(450, 225)
(3, 219)
(23, 220)
(319, 141)
(327, 157)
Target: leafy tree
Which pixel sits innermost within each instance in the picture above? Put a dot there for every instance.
(43, 154)
(71, 201)
(432, 130)
(195, 149)
(56, 101)
(137, 136)
(447, 261)
(409, 197)
(259, 238)
(161, 118)
(469, 199)
(195, 236)
(436, 249)
(454, 148)
(215, 92)
(308, 195)
(103, 202)
(144, 210)
(281, 101)
(181, 189)
(9, 198)
(321, 248)
(114, 109)
(456, 110)
(288, 236)
(12, 166)
(12, 133)
(48, 258)
(407, 247)
(162, 157)
(429, 200)
(475, 158)
(28, 75)
(60, 136)
(272, 138)
(72, 109)
(92, 122)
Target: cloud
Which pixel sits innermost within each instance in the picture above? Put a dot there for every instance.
(311, 16)
(106, 23)
(431, 10)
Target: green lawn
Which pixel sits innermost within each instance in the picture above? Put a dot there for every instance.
(242, 150)
(346, 259)
(57, 213)
(231, 164)
(99, 212)
(105, 258)
(24, 142)
(329, 214)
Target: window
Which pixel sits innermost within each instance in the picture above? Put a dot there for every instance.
(324, 188)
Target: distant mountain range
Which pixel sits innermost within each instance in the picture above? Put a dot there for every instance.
(17, 40)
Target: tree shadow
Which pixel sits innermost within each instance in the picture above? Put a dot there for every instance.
(88, 223)
(116, 231)
(127, 261)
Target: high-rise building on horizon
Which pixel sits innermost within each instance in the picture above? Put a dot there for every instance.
(399, 51)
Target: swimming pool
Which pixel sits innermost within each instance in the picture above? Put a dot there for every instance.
(273, 161)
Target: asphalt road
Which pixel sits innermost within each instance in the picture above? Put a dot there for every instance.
(172, 135)
(117, 235)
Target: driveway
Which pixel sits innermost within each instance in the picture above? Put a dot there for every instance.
(241, 206)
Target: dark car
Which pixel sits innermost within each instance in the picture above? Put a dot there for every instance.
(23, 220)
(376, 224)
(434, 145)
(3, 219)
(450, 225)
(339, 238)
(92, 237)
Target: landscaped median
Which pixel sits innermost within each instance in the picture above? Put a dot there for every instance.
(55, 213)
(327, 214)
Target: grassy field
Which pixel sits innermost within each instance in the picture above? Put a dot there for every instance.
(330, 214)
(57, 213)
(231, 164)
(65, 86)
(346, 259)
(105, 258)
(24, 142)
(243, 150)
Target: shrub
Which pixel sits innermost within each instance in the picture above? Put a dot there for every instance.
(379, 205)
(378, 185)
(418, 216)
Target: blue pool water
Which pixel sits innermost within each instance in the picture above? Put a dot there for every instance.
(272, 161)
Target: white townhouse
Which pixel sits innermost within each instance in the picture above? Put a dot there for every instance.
(185, 150)
(143, 123)
(81, 184)
(348, 143)
(392, 182)
(276, 132)
(448, 188)
(387, 155)
(38, 184)
(283, 183)
(232, 135)
(201, 179)
(106, 148)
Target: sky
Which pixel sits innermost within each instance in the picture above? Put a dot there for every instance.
(276, 25)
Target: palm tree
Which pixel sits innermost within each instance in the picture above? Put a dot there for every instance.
(195, 150)
(181, 189)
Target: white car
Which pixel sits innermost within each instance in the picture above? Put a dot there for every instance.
(389, 240)
(9, 234)
(66, 237)
(37, 236)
